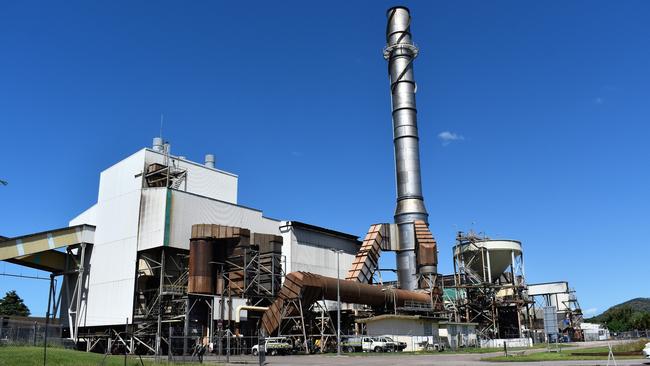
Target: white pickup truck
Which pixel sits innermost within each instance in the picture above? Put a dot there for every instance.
(275, 346)
(646, 350)
(380, 344)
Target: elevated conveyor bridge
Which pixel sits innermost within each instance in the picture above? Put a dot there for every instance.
(62, 252)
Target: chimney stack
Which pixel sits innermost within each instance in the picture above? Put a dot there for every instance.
(400, 53)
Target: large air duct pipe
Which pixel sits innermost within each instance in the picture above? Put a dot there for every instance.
(400, 53)
(311, 287)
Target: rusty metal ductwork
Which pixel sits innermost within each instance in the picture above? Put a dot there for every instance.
(427, 255)
(367, 259)
(310, 287)
(210, 246)
(201, 272)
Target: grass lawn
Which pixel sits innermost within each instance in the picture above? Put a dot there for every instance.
(556, 356)
(566, 355)
(494, 349)
(33, 356)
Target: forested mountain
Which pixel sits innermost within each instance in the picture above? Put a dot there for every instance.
(630, 315)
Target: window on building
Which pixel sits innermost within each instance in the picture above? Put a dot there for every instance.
(428, 329)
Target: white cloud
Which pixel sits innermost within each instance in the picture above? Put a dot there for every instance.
(590, 311)
(448, 137)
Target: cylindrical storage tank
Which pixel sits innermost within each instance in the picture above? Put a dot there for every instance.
(201, 271)
(491, 257)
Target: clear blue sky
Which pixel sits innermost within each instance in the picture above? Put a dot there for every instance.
(549, 103)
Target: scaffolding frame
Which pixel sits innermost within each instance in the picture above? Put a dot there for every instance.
(481, 297)
(162, 304)
(571, 311)
(259, 273)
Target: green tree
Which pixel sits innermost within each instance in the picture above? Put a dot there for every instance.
(640, 320)
(12, 304)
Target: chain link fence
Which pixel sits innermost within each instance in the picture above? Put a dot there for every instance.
(632, 334)
(16, 332)
(228, 348)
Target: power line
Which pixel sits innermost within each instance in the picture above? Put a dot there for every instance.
(23, 276)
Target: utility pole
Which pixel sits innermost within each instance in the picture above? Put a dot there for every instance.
(338, 302)
(47, 317)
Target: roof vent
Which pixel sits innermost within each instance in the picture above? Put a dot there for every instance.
(158, 144)
(209, 160)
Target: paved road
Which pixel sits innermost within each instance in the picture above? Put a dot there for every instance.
(428, 360)
(420, 360)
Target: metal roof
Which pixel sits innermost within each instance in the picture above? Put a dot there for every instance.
(305, 226)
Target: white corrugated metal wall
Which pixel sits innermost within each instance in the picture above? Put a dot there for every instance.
(112, 264)
(152, 218)
(131, 218)
(88, 217)
(202, 180)
(188, 209)
(311, 251)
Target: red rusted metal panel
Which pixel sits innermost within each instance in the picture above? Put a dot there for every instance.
(201, 275)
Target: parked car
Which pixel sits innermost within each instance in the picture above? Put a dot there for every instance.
(352, 344)
(371, 344)
(646, 350)
(438, 345)
(377, 344)
(275, 346)
(396, 346)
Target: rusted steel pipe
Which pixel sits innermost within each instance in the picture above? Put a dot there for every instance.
(361, 293)
(310, 287)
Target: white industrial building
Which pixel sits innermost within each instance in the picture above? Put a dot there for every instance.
(149, 201)
(562, 299)
(421, 333)
(594, 332)
(146, 206)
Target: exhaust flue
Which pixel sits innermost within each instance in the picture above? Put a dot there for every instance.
(400, 53)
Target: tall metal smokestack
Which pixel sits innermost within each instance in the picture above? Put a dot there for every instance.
(400, 53)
